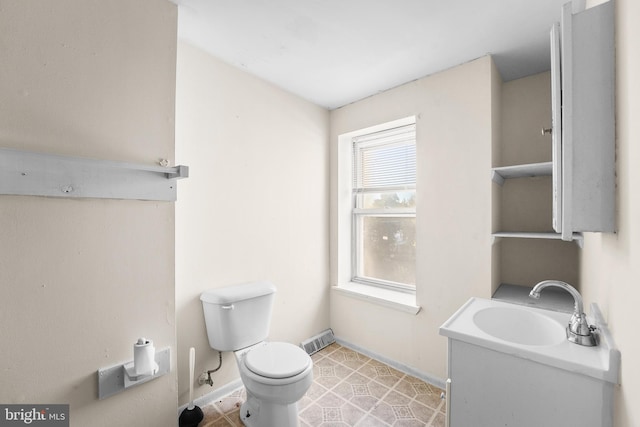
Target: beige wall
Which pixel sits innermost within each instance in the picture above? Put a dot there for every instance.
(454, 146)
(610, 267)
(254, 207)
(81, 280)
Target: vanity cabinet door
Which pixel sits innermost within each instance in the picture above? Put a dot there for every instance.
(490, 389)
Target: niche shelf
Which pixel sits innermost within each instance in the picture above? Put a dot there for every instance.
(530, 170)
(41, 174)
(577, 238)
(499, 174)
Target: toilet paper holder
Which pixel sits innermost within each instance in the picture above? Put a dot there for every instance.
(122, 376)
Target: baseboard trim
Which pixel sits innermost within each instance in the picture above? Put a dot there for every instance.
(215, 395)
(438, 382)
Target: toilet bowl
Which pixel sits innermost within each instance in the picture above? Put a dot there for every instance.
(275, 375)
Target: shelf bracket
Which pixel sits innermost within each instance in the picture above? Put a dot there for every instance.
(178, 172)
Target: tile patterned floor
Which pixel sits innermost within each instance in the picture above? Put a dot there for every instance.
(350, 389)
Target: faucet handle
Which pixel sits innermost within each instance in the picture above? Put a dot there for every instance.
(580, 332)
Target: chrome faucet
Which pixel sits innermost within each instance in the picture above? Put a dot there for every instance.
(578, 330)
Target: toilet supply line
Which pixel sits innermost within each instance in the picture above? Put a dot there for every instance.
(208, 380)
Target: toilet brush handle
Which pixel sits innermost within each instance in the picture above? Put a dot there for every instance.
(192, 366)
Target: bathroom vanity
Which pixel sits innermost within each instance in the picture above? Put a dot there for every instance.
(511, 365)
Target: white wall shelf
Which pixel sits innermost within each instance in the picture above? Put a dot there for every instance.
(576, 237)
(41, 174)
(499, 174)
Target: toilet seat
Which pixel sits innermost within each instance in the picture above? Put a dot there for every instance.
(277, 360)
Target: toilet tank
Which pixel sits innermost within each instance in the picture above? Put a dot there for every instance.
(238, 316)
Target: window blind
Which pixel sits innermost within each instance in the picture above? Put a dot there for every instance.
(385, 160)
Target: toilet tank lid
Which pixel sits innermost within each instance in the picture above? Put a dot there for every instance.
(236, 293)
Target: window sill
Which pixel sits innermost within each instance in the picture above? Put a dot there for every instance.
(397, 300)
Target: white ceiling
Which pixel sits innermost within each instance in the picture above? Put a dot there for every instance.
(334, 52)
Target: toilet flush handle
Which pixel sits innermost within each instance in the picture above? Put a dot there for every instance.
(227, 307)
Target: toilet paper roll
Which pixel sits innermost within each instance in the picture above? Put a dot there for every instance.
(144, 357)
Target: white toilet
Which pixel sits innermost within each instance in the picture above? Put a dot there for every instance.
(275, 374)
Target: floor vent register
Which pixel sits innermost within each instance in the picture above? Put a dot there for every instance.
(318, 342)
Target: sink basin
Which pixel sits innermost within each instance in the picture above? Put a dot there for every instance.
(520, 326)
(532, 334)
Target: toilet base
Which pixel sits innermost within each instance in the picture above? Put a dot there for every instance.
(255, 413)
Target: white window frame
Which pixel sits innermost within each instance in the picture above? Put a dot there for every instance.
(401, 298)
(366, 142)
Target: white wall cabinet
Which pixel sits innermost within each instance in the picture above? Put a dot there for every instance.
(583, 126)
(583, 55)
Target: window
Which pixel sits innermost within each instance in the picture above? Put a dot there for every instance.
(383, 191)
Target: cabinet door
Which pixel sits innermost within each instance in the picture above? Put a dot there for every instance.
(583, 69)
(556, 127)
(490, 389)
